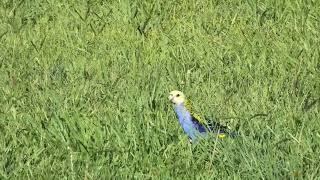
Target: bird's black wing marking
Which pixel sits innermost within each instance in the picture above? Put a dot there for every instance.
(219, 128)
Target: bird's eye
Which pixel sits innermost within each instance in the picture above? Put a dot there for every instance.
(178, 95)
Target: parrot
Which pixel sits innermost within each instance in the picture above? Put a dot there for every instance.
(193, 124)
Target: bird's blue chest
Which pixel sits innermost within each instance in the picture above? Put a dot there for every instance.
(183, 115)
(185, 120)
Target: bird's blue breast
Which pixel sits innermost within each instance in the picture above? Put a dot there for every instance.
(190, 127)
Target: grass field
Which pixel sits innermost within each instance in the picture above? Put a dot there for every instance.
(84, 88)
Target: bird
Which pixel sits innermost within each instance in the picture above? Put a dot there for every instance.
(193, 124)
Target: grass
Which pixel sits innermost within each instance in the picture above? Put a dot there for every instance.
(84, 87)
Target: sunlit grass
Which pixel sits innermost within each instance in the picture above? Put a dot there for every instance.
(84, 88)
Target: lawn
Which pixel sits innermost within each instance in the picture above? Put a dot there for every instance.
(84, 86)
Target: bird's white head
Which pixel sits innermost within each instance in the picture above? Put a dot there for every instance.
(176, 97)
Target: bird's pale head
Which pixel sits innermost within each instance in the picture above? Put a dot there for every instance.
(176, 97)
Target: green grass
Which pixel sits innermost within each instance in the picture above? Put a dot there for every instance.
(84, 85)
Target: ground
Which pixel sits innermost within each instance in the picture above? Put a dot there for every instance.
(84, 88)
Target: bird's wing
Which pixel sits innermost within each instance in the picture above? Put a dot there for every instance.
(220, 129)
(215, 126)
(194, 115)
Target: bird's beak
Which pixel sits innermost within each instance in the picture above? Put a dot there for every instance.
(170, 97)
